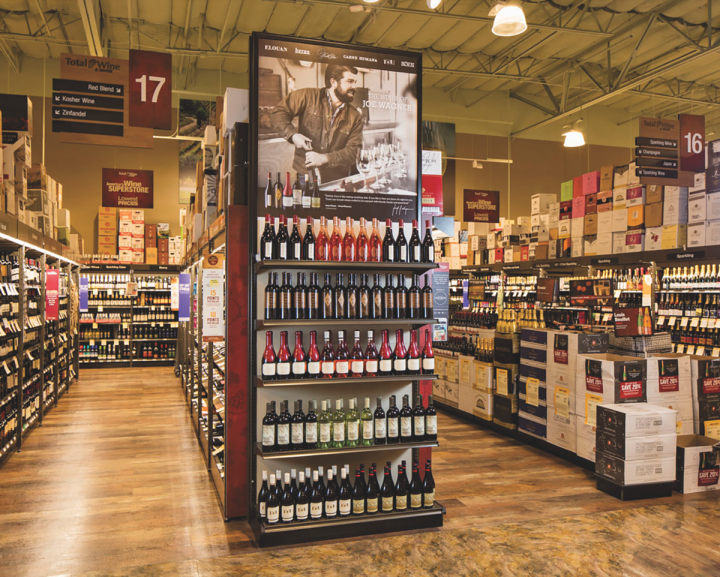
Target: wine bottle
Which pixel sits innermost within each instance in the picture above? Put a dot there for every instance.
(401, 245)
(428, 246)
(401, 491)
(342, 362)
(345, 496)
(400, 354)
(418, 420)
(340, 297)
(282, 240)
(287, 194)
(428, 487)
(278, 201)
(312, 297)
(349, 244)
(427, 300)
(352, 420)
(376, 299)
(362, 251)
(287, 505)
(296, 241)
(273, 504)
(406, 425)
(327, 358)
(299, 362)
(269, 360)
(413, 355)
(371, 356)
(331, 498)
(388, 244)
(401, 297)
(387, 492)
(297, 428)
(380, 424)
(269, 189)
(269, 430)
(267, 240)
(302, 501)
(414, 245)
(358, 495)
(386, 356)
(308, 242)
(316, 501)
(327, 311)
(321, 242)
(375, 243)
(278, 485)
(283, 428)
(262, 497)
(271, 297)
(313, 358)
(300, 297)
(284, 362)
(336, 241)
(372, 494)
(368, 425)
(388, 309)
(324, 427)
(416, 489)
(357, 359)
(393, 422)
(285, 298)
(338, 426)
(430, 421)
(364, 298)
(311, 427)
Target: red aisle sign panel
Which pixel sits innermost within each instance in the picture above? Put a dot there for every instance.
(126, 188)
(52, 287)
(150, 89)
(481, 205)
(692, 142)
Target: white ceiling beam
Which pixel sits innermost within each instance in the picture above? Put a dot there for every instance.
(91, 26)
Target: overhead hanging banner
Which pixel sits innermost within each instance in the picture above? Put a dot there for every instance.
(150, 88)
(183, 297)
(52, 287)
(432, 183)
(213, 298)
(174, 294)
(366, 160)
(83, 294)
(124, 188)
(481, 205)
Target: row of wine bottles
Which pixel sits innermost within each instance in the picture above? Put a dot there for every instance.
(688, 305)
(341, 362)
(335, 430)
(298, 502)
(286, 301)
(345, 247)
(700, 277)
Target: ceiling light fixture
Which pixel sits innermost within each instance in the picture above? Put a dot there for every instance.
(370, 1)
(509, 19)
(432, 4)
(573, 135)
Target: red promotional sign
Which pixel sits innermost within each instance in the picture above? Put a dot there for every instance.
(481, 205)
(692, 142)
(708, 477)
(52, 287)
(124, 188)
(631, 390)
(710, 386)
(432, 195)
(150, 89)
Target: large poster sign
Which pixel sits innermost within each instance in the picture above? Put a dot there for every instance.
(150, 88)
(83, 295)
(213, 299)
(441, 300)
(184, 297)
(432, 183)
(52, 287)
(337, 129)
(481, 205)
(125, 188)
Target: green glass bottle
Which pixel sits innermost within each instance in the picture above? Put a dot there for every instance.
(338, 426)
(352, 420)
(368, 427)
(325, 436)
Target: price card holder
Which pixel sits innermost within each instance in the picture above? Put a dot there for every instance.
(126, 343)
(94, 325)
(704, 323)
(715, 352)
(660, 321)
(124, 325)
(92, 343)
(103, 342)
(684, 322)
(694, 323)
(152, 325)
(680, 349)
(700, 351)
(691, 350)
(712, 323)
(100, 309)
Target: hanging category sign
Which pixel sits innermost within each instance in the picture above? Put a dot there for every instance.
(481, 205)
(432, 183)
(83, 295)
(150, 88)
(174, 294)
(213, 298)
(183, 297)
(52, 287)
(125, 188)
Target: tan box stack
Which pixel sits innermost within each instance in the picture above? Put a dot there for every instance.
(138, 236)
(107, 230)
(125, 235)
(175, 250)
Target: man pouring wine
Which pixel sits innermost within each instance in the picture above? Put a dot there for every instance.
(330, 129)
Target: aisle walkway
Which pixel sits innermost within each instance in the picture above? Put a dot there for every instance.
(114, 485)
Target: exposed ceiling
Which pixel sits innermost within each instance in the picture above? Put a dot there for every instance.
(648, 57)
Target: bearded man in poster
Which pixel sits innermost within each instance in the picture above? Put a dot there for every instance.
(330, 128)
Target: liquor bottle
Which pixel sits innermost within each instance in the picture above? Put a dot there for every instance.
(413, 356)
(339, 297)
(338, 426)
(401, 491)
(287, 504)
(362, 250)
(273, 503)
(376, 299)
(368, 425)
(336, 241)
(393, 422)
(269, 430)
(313, 297)
(287, 194)
(401, 245)
(371, 356)
(271, 296)
(285, 298)
(327, 310)
(427, 300)
(267, 240)
(282, 240)
(262, 497)
(416, 488)
(311, 426)
(302, 501)
(284, 360)
(353, 298)
(388, 244)
(278, 202)
(357, 358)
(415, 245)
(401, 297)
(297, 428)
(430, 421)
(316, 501)
(400, 354)
(296, 241)
(428, 487)
(387, 491)
(297, 192)
(315, 199)
(375, 243)
(308, 241)
(331, 497)
(342, 361)
(324, 427)
(327, 358)
(406, 428)
(283, 428)
(321, 242)
(300, 297)
(380, 424)
(349, 244)
(428, 246)
(352, 420)
(388, 309)
(269, 189)
(428, 357)
(269, 360)
(386, 356)
(345, 496)
(418, 420)
(358, 495)
(372, 494)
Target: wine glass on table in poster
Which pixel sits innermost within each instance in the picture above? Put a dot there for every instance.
(364, 164)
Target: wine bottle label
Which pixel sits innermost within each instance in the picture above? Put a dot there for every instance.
(353, 430)
(296, 250)
(379, 428)
(268, 370)
(416, 501)
(268, 250)
(403, 253)
(357, 367)
(311, 251)
(385, 365)
(316, 202)
(431, 253)
(371, 366)
(297, 433)
(314, 368)
(431, 424)
(283, 434)
(324, 432)
(298, 368)
(406, 426)
(263, 507)
(372, 505)
(416, 253)
(387, 504)
(273, 514)
(378, 304)
(331, 508)
(288, 512)
(429, 364)
(340, 304)
(306, 201)
(420, 425)
(429, 499)
(301, 511)
(283, 250)
(367, 430)
(316, 510)
(339, 432)
(283, 369)
(311, 432)
(344, 506)
(400, 365)
(358, 506)
(401, 502)
(268, 435)
(393, 429)
(413, 364)
(328, 367)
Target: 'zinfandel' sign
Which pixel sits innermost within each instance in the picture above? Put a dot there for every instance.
(125, 188)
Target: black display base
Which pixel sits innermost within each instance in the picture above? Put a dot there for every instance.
(634, 492)
(344, 527)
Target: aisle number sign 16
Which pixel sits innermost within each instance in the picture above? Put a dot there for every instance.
(692, 142)
(150, 89)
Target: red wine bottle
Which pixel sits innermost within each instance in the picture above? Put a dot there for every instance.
(418, 420)
(380, 424)
(401, 245)
(300, 297)
(282, 240)
(388, 244)
(428, 246)
(401, 297)
(308, 243)
(299, 365)
(428, 356)
(416, 489)
(296, 241)
(267, 240)
(426, 300)
(342, 363)
(400, 354)
(284, 363)
(415, 245)
(371, 356)
(430, 421)
(388, 310)
(269, 360)
(357, 359)
(287, 195)
(313, 358)
(406, 433)
(375, 243)
(413, 357)
(327, 358)
(386, 356)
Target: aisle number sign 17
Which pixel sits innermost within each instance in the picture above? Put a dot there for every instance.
(150, 89)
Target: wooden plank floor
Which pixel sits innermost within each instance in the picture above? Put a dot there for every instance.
(114, 483)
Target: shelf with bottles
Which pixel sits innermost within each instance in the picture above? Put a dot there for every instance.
(342, 451)
(335, 381)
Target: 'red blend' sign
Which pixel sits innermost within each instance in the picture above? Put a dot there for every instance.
(124, 188)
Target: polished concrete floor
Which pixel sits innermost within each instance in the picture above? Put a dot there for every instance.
(114, 484)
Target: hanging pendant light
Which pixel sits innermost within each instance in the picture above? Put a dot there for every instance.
(432, 4)
(573, 139)
(509, 19)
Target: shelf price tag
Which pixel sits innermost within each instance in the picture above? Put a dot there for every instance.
(716, 352)
(533, 391)
(704, 323)
(684, 322)
(103, 342)
(700, 351)
(100, 309)
(92, 343)
(694, 322)
(660, 321)
(126, 342)
(94, 325)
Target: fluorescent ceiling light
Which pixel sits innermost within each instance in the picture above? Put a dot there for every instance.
(509, 21)
(432, 4)
(370, 1)
(573, 139)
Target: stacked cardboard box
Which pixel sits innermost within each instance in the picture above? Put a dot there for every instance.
(131, 238)
(696, 464)
(532, 388)
(705, 375)
(669, 384)
(506, 366)
(175, 250)
(107, 230)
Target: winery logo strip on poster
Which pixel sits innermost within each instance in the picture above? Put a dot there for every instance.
(337, 129)
(125, 188)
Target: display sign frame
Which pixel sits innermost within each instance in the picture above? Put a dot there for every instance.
(127, 188)
(481, 205)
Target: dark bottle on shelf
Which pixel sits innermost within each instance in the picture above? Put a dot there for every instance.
(285, 298)
(415, 245)
(302, 501)
(282, 240)
(327, 358)
(313, 297)
(327, 310)
(387, 491)
(316, 501)
(311, 426)
(400, 354)
(269, 360)
(376, 299)
(357, 358)
(428, 245)
(299, 361)
(401, 244)
(352, 298)
(271, 297)
(262, 497)
(267, 240)
(427, 300)
(358, 495)
(413, 355)
(278, 202)
(283, 428)
(331, 497)
(388, 309)
(293, 483)
(287, 504)
(340, 297)
(418, 420)
(297, 428)
(308, 242)
(342, 361)
(416, 488)
(371, 356)
(300, 297)
(393, 422)
(430, 421)
(401, 491)
(414, 305)
(363, 298)
(406, 426)
(401, 297)
(345, 495)
(273, 503)
(380, 424)
(388, 243)
(296, 241)
(371, 494)
(284, 359)
(428, 487)
(313, 358)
